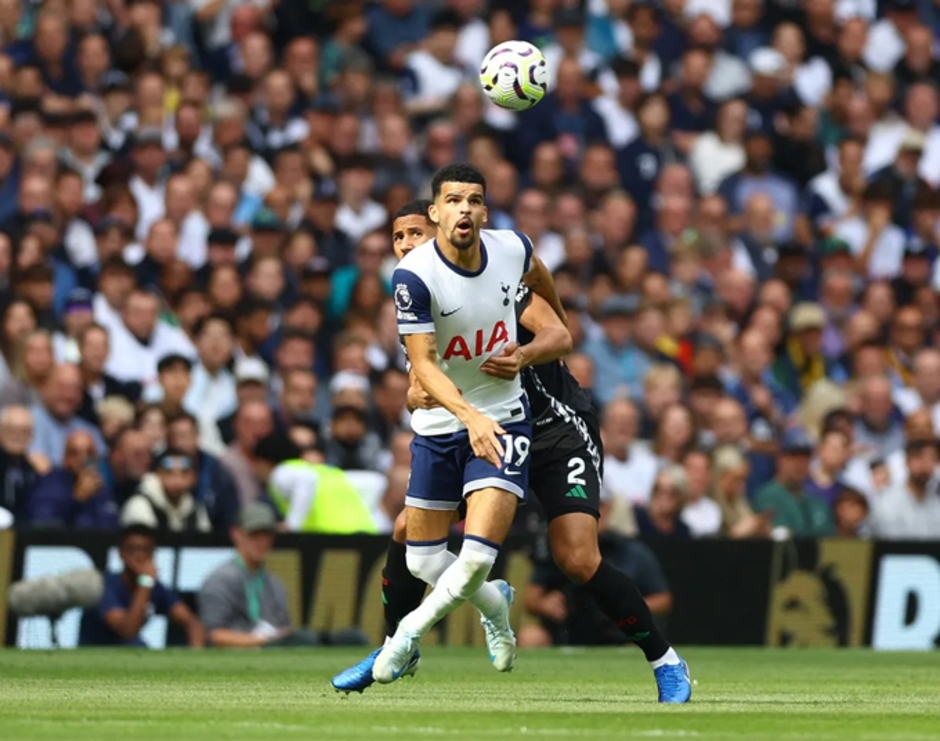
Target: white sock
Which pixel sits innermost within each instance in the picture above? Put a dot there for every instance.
(429, 560)
(461, 581)
(670, 657)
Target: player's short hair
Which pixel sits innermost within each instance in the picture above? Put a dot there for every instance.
(417, 207)
(459, 172)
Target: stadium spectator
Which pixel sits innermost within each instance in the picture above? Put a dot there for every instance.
(32, 364)
(244, 605)
(253, 421)
(94, 347)
(74, 495)
(56, 416)
(128, 462)
(801, 512)
(661, 517)
(312, 497)
(19, 470)
(164, 500)
(701, 513)
(132, 596)
(911, 510)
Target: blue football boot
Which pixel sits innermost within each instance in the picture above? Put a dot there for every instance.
(359, 676)
(674, 683)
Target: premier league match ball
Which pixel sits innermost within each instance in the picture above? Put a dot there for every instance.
(514, 75)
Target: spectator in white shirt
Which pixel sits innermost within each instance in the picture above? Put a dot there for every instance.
(701, 513)
(876, 242)
(924, 391)
(831, 193)
(141, 339)
(629, 466)
(886, 43)
(212, 395)
(911, 511)
(720, 153)
(147, 184)
(191, 223)
(433, 73)
(358, 214)
(617, 111)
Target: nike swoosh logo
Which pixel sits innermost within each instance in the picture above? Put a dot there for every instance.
(449, 313)
(397, 674)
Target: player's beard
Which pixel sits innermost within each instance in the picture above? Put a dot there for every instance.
(464, 241)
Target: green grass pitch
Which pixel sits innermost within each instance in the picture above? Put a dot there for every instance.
(552, 694)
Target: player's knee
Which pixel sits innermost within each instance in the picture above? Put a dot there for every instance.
(475, 564)
(426, 566)
(579, 563)
(400, 528)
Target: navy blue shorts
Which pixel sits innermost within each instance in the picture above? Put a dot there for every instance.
(444, 468)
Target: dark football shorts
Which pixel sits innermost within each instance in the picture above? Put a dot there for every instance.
(566, 477)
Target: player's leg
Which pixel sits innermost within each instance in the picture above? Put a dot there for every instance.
(569, 489)
(401, 593)
(489, 515)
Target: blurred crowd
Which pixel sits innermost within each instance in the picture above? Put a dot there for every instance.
(738, 200)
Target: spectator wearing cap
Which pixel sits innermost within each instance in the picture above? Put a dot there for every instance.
(803, 514)
(661, 517)
(801, 363)
(164, 500)
(55, 415)
(911, 510)
(94, 348)
(141, 339)
(313, 498)
(350, 445)
(212, 395)
(74, 495)
(214, 486)
(432, 72)
(618, 365)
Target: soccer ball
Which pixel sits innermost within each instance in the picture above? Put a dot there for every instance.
(514, 75)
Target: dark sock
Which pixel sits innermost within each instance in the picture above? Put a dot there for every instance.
(401, 591)
(621, 601)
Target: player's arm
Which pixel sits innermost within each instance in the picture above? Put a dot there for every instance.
(483, 431)
(540, 280)
(551, 341)
(418, 398)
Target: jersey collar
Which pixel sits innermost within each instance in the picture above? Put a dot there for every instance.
(459, 270)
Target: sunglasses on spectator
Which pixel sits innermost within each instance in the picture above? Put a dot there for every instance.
(175, 464)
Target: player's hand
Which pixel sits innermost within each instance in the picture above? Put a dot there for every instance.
(506, 365)
(555, 606)
(484, 439)
(418, 398)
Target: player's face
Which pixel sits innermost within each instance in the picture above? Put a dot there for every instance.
(410, 231)
(459, 213)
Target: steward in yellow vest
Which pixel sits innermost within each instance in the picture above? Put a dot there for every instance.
(312, 497)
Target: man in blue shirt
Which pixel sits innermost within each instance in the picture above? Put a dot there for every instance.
(132, 596)
(618, 365)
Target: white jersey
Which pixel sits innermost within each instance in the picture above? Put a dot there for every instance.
(473, 316)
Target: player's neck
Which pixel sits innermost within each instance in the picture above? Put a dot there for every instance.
(469, 259)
